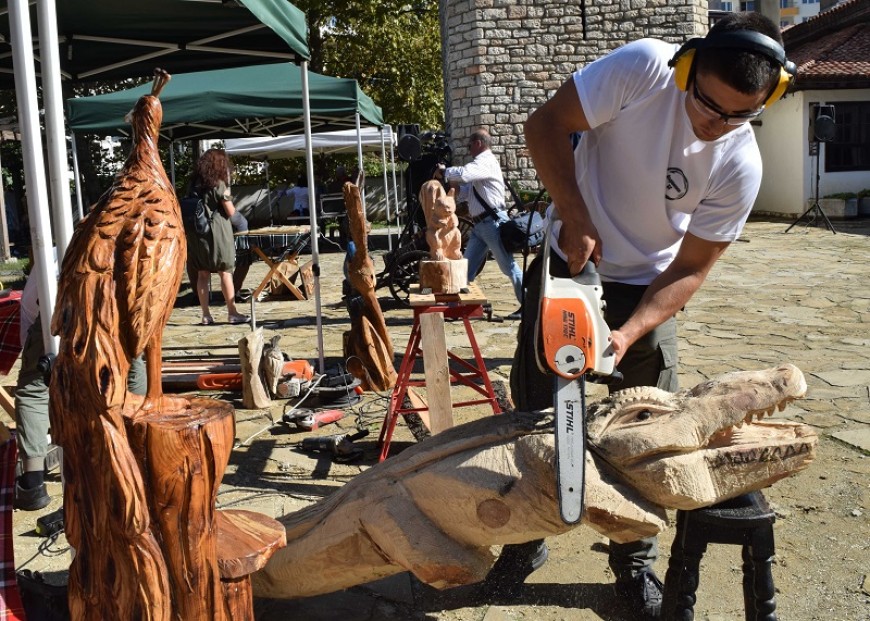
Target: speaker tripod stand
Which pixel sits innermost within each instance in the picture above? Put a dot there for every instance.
(815, 211)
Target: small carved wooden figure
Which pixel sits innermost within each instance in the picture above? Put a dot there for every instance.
(442, 225)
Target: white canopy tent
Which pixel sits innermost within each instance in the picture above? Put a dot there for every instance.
(343, 141)
(280, 147)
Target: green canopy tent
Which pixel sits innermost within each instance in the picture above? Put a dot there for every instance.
(82, 40)
(261, 100)
(116, 39)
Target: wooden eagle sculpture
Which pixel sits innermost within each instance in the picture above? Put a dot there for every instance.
(142, 474)
(118, 282)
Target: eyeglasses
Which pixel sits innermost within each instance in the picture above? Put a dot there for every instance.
(711, 110)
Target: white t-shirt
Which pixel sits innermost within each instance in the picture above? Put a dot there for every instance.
(299, 195)
(645, 177)
(483, 174)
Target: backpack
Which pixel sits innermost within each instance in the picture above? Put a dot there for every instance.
(195, 215)
(523, 231)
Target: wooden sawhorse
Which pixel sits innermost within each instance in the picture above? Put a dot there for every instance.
(427, 335)
(290, 239)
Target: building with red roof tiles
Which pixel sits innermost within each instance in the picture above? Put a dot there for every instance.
(832, 53)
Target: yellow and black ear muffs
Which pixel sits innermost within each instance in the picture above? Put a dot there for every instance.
(683, 61)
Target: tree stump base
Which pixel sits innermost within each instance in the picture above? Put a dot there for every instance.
(448, 276)
(182, 455)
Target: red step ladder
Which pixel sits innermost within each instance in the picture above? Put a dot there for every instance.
(470, 373)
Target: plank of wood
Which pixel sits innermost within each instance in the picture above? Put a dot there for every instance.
(436, 371)
(7, 401)
(474, 295)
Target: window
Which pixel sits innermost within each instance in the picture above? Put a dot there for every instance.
(748, 5)
(850, 149)
(784, 4)
(727, 6)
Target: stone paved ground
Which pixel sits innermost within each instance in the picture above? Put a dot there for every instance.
(802, 297)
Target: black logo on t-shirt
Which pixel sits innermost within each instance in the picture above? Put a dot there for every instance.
(677, 185)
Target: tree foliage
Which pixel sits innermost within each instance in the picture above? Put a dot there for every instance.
(391, 47)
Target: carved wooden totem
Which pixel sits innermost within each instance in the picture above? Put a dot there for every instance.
(141, 475)
(367, 345)
(447, 271)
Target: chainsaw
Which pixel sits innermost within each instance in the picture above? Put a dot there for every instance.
(573, 341)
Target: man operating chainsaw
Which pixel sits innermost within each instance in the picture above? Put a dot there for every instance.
(662, 179)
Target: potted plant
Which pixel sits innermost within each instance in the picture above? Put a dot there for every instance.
(839, 205)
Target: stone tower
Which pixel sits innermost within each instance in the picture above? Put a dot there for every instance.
(503, 58)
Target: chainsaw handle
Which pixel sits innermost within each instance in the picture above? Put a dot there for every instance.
(588, 275)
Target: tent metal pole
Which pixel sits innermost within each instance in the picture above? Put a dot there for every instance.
(5, 250)
(386, 191)
(34, 165)
(312, 214)
(268, 192)
(78, 176)
(55, 132)
(395, 189)
(172, 163)
(359, 158)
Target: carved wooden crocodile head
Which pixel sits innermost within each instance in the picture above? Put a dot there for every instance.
(704, 444)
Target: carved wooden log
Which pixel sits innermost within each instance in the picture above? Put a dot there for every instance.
(183, 455)
(448, 276)
(367, 345)
(254, 393)
(436, 508)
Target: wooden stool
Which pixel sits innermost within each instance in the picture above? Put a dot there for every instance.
(747, 521)
(245, 541)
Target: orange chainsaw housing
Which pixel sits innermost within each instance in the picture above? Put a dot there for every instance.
(568, 336)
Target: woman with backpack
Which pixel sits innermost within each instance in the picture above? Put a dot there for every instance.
(214, 250)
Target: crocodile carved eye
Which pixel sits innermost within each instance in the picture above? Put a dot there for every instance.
(644, 415)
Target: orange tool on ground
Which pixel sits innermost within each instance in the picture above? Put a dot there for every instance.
(311, 420)
(301, 369)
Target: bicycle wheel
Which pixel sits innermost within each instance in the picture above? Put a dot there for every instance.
(465, 226)
(404, 273)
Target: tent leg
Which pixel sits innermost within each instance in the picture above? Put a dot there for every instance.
(386, 191)
(312, 215)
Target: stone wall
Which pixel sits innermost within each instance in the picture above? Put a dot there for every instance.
(505, 57)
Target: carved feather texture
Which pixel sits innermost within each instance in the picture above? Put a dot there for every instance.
(124, 263)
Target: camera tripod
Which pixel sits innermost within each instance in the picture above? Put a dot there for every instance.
(815, 211)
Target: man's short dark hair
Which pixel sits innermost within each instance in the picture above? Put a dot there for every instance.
(748, 72)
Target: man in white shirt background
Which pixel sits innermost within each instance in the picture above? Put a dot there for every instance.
(481, 186)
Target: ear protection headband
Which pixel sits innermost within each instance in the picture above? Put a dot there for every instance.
(683, 61)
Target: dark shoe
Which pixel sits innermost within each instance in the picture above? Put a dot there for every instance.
(642, 594)
(31, 499)
(516, 315)
(516, 563)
